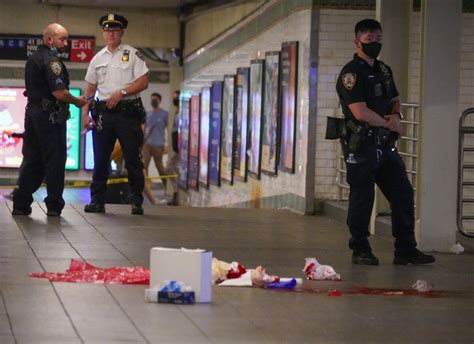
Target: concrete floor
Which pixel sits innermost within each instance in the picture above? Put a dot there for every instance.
(37, 311)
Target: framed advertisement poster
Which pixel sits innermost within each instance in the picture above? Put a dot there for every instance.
(227, 143)
(12, 117)
(215, 134)
(271, 114)
(289, 75)
(204, 136)
(193, 168)
(241, 123)
(255, 117)
(183, 143)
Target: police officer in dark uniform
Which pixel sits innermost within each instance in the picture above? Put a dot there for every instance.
(118, 73)
(371, 107)
(44, 141)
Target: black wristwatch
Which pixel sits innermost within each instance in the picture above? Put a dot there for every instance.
(399, 115)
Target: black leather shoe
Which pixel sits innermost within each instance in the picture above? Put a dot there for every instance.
(25, 212)
(364, 258)
(174, 200)
(137, 209)
(94, 208)
(53, 213)
(415, 257)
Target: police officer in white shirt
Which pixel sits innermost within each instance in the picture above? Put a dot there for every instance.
(118, 73)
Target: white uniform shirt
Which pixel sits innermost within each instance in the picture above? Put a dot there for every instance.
(112, 72)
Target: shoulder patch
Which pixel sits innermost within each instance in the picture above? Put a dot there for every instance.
(349, 80)
(140, 55)
(55, 67)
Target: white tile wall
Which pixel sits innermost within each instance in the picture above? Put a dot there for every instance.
(294, 28)
(336, 48)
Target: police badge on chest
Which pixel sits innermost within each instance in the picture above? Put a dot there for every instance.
(126, 56)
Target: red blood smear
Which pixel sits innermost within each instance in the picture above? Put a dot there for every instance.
(373, 291)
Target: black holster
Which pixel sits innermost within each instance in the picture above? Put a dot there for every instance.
(58, 111)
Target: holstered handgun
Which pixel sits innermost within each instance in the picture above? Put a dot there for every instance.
(58, 111)
(97, 108)
(358, 134)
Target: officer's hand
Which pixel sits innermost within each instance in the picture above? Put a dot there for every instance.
(393, 123)
(114, 99)
(81, 101)
(88, 123)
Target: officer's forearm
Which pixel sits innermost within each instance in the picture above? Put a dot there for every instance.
(138, 85)
(66, 97)
(85, 114)
(396, 105)
(363, 114)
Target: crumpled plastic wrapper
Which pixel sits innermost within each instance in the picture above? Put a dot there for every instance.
(422, 286)
(82, 272)
(315, 271)
(457, 249)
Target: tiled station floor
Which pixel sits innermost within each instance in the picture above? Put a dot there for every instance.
(37, 311)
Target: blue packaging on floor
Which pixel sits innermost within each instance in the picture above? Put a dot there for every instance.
(179, 298)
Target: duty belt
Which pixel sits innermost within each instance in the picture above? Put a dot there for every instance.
(123, 105)
(382, 136)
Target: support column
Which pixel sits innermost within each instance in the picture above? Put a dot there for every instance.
(395, 19)
(439, 110)
(312, 105)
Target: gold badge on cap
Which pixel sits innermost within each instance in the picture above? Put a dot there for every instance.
(55, 67)
(126, 56)
(111, 16)
(349, 80)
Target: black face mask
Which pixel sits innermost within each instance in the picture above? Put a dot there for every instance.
(154, 103)
(176, 102)
(372, 49)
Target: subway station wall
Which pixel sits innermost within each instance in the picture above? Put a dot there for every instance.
(284, 189)
(146, 28)
(335, 49)
(203, 28)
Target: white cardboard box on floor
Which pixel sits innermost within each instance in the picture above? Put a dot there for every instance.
(192, 267)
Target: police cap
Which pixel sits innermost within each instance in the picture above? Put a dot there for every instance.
(113, 20)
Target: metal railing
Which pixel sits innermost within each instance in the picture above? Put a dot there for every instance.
(465, 208)
(407, 147)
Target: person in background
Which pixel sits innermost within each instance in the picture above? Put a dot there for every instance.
(173, 154)
(155, 136)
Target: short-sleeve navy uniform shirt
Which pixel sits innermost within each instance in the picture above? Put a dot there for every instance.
(360, 82)
(44, 74)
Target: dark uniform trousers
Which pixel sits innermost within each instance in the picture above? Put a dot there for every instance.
(44, 158)
(383, 166)
(127, 129)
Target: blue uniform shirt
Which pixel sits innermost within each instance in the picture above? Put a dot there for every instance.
(156, 123)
